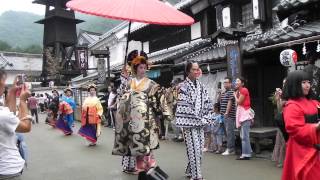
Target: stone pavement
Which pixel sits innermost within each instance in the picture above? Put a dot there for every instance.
(53, 156)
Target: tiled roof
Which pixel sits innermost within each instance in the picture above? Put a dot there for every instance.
(210, 52)
(177, 51)
(289, 4)
(22, 61)
(90, 36)
(280, 35)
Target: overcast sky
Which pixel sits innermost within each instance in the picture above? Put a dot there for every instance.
(21, 5)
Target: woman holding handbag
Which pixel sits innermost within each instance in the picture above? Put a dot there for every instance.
(244, 117)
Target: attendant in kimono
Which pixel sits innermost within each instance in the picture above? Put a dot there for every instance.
(300, 113)
(136, 130)
(69, 99)
(92, 111)
(53, 109)
(66, 109)
(193, 107)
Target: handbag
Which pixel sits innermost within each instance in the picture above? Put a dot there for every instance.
(154, 173)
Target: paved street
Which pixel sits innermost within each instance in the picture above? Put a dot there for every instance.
(52, 156)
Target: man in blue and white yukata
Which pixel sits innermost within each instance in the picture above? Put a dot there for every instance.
(193, 106)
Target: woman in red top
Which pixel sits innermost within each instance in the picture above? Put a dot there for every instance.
(244, 118)
(302, 160)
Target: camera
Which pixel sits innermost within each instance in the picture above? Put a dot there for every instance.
(21, 79)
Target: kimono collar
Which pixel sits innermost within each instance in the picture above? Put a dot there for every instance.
(193, 83)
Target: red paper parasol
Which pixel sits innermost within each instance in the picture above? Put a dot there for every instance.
(145, 11)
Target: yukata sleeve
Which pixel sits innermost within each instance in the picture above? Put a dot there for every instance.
(185, 106)
(123, 86)
(302, 132)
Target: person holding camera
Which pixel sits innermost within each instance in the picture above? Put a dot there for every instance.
(11, 162)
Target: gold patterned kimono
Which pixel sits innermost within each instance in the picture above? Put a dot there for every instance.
(136, 132)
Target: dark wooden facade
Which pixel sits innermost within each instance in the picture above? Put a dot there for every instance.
(260, 63)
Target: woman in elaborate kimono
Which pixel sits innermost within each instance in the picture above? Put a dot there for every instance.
(92, 111)
(136, 130)
(66, 109)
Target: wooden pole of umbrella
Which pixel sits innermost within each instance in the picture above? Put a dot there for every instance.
(126, 53)
(127, 46)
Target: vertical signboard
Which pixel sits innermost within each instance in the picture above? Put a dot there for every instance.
(234, 62)
(101, 65)
(82, 57)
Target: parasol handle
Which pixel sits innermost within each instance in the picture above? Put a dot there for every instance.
(127, 46)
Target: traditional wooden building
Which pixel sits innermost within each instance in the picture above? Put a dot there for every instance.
(236, 37)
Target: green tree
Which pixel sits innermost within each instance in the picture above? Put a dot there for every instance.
(33, 49)
(4, 46)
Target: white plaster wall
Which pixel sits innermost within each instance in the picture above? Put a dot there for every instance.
(195, 30)
(211, 81)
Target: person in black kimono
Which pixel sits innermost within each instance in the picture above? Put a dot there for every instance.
(192, 114)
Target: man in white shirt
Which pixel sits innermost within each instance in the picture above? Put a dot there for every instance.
(111, 104)
(11, 163)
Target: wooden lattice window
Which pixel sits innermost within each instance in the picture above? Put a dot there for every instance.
(247, 16)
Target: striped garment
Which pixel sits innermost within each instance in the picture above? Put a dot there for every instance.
(193, 105)
(225, 97)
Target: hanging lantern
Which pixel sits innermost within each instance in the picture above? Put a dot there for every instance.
(288, 57)
(304, 49)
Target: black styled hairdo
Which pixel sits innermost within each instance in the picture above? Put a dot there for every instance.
(216, 106)
(90, 87)
(229, 78)
(133, 55)
(292, 87)
(188, 67)
(243, 80)
(142, 60)
(55, 91)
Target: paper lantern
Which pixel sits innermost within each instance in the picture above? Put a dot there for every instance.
(288, 57)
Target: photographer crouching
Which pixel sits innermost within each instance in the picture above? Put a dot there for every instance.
(11, 163)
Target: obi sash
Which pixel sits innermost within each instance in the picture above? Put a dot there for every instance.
(90, 115)
(65, 108)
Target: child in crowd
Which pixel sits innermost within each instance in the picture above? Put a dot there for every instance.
(218, 130)
(208, 138)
